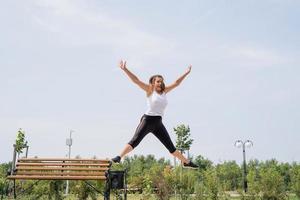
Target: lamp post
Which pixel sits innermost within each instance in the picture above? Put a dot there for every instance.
(69, 142)
(239, 144)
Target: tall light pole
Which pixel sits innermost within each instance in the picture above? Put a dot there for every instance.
(69, 142)
(239, 144)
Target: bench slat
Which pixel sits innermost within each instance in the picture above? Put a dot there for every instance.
(61, 173)
(35, 177)
(62, 164)
(61, 169)
(63, 159)
(64, 168)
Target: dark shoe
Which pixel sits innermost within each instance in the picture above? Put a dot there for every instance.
(116, 159)
(190, 164)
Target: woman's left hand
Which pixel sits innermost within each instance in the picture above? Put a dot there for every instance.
(189, 69)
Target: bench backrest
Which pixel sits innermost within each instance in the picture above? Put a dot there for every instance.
(61, 169)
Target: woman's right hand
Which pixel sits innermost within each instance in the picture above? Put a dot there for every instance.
(122, 65)
(133, 77)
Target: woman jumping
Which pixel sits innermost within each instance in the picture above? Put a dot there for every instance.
(152, 119)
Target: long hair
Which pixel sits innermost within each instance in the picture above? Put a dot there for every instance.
(152, 79)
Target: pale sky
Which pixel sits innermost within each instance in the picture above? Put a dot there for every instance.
(58, 71)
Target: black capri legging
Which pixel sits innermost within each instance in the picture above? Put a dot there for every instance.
(152, 124)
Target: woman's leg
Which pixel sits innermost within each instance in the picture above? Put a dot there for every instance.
(162, 134)
(181, 157)
(127, 149)
(141, 131)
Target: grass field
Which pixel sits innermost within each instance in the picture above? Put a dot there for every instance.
(136, 197)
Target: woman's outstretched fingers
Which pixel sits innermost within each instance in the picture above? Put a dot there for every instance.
(122, 64)
(189, 69)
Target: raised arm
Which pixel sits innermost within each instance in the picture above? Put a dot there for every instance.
(133, 77)
(178, 81)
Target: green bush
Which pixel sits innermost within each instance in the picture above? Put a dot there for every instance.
(147, 188)
(185, 180)
(230, 175)
(253, 192)
(161, 182)
(200, 192)
(84, 191)
(296, 180)
(272, 185)
(212, 184)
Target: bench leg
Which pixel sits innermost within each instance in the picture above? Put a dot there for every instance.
(107, 186)
(125, 184)
(15, 194)
(107, 190)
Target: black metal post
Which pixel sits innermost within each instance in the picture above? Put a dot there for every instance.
(15, 194)
(125, 184)
(245, 170)
(26, 155)
(13, 163)
(107, 186)
(244, 144)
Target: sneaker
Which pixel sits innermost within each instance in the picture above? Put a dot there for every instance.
(116, 159)
(190, 164)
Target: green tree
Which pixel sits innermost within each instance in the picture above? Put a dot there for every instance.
(44, 189)
(230, 175)
(187, 183)
(200, 191)
(285, 172)
(253, 192)
(21, 143)
(203, 163)
(84, 191)
(296, 179)
(161, 182)
(139, 167)
(3, 181)
(147, 187)
(212, 184)
(272, 184)
(183, 141)
(273, 163)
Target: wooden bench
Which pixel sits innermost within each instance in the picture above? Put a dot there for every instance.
(62, 169)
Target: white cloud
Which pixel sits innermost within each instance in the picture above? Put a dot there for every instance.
(75, 23)
(254, 56)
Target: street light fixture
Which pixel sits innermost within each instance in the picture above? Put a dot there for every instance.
(69, 142)
(239, 144)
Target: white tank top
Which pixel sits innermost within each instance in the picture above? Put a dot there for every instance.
(156, 104)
